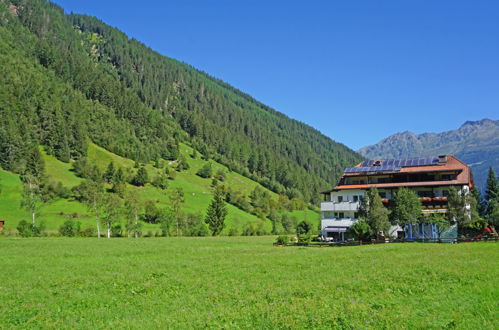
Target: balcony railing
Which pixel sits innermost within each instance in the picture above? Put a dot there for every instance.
(339, 206)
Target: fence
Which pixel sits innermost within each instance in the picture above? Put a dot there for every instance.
(357, 243)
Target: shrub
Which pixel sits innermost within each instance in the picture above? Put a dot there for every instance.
(24, 228)
(117, 230)
(205, 171)
(88, 232)
(160, 181)
(69, 228)
(303, 228)
(232, 232)
(360, 231)
(282, 240)
(27, 229)
(304, 238)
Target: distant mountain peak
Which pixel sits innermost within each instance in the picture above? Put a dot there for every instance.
(474, 142)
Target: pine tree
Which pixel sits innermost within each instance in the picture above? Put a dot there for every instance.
(109, 173)
(491, 195)
(35, 166)
(216, 213)
(141, 178)
(492, 187)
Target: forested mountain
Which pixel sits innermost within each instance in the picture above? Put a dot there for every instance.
(475, 142)
(69, 78)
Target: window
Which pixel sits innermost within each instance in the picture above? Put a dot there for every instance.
(356, 215)
(382, 194)
(327, 215)
(424, 193)
(355, 198)
(340, 199)
(341, 215)
(448, 177)
(445, 193)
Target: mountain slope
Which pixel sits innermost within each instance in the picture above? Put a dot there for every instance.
(198, 194)
(159, 102)
(475, 142)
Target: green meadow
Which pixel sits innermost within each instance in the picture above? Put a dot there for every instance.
(245, 282)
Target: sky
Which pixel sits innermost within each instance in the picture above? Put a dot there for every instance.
(358, 71)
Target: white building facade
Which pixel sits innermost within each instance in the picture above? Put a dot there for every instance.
(430, 180)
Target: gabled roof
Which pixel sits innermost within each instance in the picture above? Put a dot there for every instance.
(447, 163)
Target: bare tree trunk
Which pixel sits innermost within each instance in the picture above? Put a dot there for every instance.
(135, 229)
(98, 227)
(108, 230)
(33, 218)
(96, 217)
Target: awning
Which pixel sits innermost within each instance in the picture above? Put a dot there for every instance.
(335, 229)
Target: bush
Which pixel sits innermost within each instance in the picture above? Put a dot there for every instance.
(117, 230)
(304, 238)
(26, 229)
(361, 231)
(282, 240)
(232, 232)
(69, 228)
(152, 213)
(88, 232)
(303, 227)
(205, 171)
(161, 181)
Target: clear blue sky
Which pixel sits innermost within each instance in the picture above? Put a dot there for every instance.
(356, 70)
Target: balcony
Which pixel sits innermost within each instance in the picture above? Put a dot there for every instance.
(339, 206)
(347, 222)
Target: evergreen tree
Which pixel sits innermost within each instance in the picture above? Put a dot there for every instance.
(35, 166)
(405, 207)
(216, 213)
(109, 173)
(480, 203)
(492, 187)
(141, 178)
(491, 195)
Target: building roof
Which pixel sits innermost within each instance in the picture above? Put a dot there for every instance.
(447, 163)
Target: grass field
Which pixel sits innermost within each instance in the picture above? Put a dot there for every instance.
(245, 282)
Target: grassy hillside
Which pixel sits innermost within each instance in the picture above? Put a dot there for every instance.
(236, 282)
(198, 192)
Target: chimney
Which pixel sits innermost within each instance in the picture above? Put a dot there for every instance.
(442, 159)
